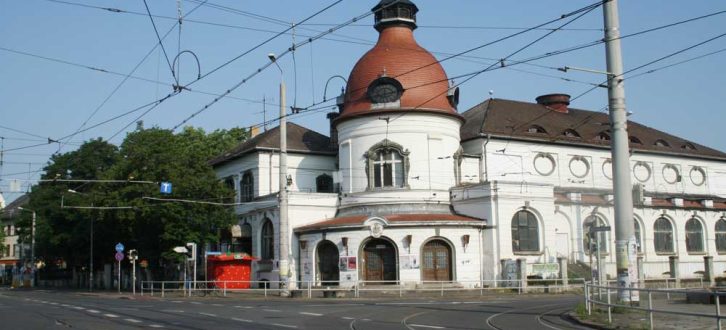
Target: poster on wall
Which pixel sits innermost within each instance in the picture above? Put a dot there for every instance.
(347, 264)
(409, 262)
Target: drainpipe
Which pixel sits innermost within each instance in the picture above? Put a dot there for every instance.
(485, 166)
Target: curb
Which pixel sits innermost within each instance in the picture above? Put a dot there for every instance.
(571, 316)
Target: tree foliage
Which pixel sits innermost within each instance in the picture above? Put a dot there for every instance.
(144, 159)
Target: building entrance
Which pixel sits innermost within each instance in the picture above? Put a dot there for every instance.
(380, 262)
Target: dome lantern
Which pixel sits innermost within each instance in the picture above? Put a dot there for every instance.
(395, 12)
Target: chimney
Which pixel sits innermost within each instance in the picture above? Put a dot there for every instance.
(556, 102)
(254, 131)
(333, 131)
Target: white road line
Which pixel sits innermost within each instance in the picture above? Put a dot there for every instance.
(110, 315)
(243, 306)
(78, 307)
(65, 305)
(329, 305)
(312, 314)
(405, 320)
(425, 326)
(490, 318)
(366, 320)
(347, 318)
(285, 325)
(92, 311)
(195, 303)
(242, 320)
(176, 301)
(208, 314)
(218, 305)
(133, 320)
(54, 303)
(156, 326)
(172, 311)
(272, 310)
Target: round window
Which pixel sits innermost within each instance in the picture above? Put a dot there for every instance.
(698, 176)
(607, 169)
(670, 174)
(544, 164)
(641, 171)
(579, 167)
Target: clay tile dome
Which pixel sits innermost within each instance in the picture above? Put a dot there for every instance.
(399, 64)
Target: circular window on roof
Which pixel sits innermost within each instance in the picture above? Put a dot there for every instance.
(641, 171)
(544, 164)
(579, 167)
(385, 90)
(671, 174)
(698, 175)
(607, 169)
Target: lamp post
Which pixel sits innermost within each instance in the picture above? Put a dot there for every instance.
(284, 234)
(90, 262)
(32, 242)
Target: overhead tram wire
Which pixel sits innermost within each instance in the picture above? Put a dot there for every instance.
(102, 70)
(122, 82)
(655, 61)
(161, 43)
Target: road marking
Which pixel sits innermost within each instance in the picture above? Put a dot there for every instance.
(312, 314)
(173, 311)
(78, 307)
(133, 320)
(208, 314)
(366, 320)
(54, 303)
(242, 320)
(110, 315)
(489, 319)
(244, 307)
(272, 310)
(156, 326)
(329, 305)
(285, 325)
(93, 311)
(65, 305)
(176, 301)
(195, 303)
(347, 318)
(426, 326)
(218, 305)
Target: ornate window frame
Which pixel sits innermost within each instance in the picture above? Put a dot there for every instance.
(371, 156)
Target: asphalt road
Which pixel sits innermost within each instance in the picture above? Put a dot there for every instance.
(43, 309)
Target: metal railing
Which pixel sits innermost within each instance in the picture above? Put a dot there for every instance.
(601, 295)
(357, 288)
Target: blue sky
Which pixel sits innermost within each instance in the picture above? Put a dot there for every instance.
(41, 99)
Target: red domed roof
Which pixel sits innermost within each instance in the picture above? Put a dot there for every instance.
(398, 56)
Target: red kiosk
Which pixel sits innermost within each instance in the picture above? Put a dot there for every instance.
(230, 267)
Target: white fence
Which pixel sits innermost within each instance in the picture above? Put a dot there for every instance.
(602, 295)
(360, 288)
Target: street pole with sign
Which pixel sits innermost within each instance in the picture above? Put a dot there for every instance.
(133, 255)
(119, 256)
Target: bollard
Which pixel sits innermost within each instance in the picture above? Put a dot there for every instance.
(162, 289)
(310, 290)
(400, 289)
(718, 311)
(650, 309)
(610, 315)
(587, 299)
(224, 293)
(265, 286)
(668, 292)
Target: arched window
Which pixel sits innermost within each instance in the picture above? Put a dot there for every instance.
(268, 241)
(602, 136)
(635, 140)
(661, 143)
(663, 236)
(247, 185)
(571, 133)
(694, 235)
(324, 183)
(229, 182)
(721, 235)
(591, 237)
(638, 237)
(525, 232)
(245, 239)
(387, 165)
(689, 146)
(536, 129)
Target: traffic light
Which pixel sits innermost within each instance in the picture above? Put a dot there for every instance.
(133, 255)
(192, 251)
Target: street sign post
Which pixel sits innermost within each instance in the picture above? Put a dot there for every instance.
(119, 247)
(119, 256)
(165, 188)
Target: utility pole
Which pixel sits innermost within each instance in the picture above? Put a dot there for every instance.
(625, 242)
(284, 266)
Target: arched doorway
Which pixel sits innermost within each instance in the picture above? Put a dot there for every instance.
(328, 270)
(380, 261)
(436, 261)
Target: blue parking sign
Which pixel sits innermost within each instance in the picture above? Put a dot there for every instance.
(165, 188)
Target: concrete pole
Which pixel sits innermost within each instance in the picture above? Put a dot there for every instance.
(90, 275)
(284, 226)
(625, 242)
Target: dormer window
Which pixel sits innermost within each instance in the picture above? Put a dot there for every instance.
(387, 165)
(634, 140)
(661, 143)
(571, 133)
(603, 136)
(385, 92)
(536, 129)
(689, 147)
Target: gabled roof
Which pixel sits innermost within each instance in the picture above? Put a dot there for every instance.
(299, 140)
(11, 209)
(514, 119)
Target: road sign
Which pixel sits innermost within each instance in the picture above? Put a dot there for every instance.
(119, 247)
(165, 188)
(119, 256)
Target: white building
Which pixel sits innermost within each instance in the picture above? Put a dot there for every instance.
(408, 189)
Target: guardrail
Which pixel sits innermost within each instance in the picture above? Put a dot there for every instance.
(358, 288)
(601, 295)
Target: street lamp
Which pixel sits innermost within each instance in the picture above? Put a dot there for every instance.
(32, 239)
(284, 235)
(90, 262)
